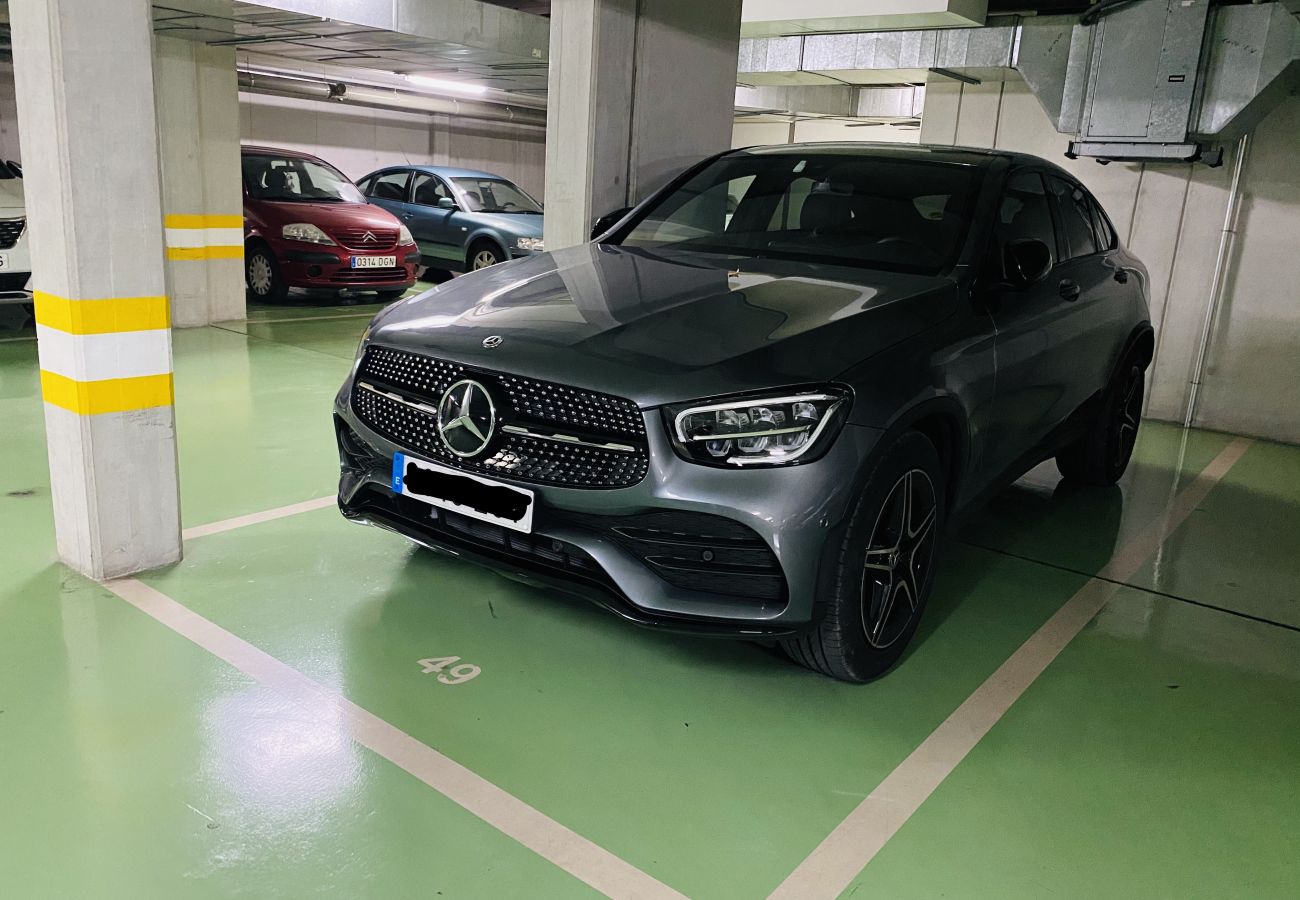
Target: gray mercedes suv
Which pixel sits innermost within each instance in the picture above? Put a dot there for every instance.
(753, 404)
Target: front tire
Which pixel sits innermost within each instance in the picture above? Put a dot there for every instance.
(390, 296)
(482, 256)
(885, 568)
(262, 277)
(1101, 456)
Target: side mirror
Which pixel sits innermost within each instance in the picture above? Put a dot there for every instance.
(605, 222)
(446, 203)
(1025, 261)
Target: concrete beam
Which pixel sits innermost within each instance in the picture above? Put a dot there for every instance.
(638, 91)
(97, 253)
(198, 140)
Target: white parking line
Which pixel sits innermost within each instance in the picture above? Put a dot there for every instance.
(357, 315)
(833, 865)
(568, 850)
(266, 515)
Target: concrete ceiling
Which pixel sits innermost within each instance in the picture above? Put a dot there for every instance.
(442, 48)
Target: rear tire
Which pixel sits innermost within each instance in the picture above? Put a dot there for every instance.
(262, 277)
(885, 568)
(1101, 456)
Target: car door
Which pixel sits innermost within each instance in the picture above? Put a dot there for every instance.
(1037, 326)
(389, 190)
(1093, 267)
(437, 229)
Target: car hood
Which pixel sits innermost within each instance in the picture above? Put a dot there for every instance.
(517, 224)
(661, 327)
(324, 215)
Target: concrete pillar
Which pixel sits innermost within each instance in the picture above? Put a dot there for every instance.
(638, 90)
(86, 121)
(197, 96)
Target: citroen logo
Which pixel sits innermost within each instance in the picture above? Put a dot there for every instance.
(492, 341)
(466, 418)
(369, 237)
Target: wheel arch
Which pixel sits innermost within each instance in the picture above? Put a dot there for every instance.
(1140, 345)
(479, 238)
(943, 421)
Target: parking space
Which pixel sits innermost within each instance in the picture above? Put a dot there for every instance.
(638, 741)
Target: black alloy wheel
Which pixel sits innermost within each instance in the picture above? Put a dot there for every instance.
(1102, 455)
(899, 558)
(885, 567)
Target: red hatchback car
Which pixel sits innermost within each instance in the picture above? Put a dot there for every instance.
(307, 226)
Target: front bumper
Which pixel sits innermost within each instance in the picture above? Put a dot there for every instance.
(798, 512)
(330, 269)
(16, 272)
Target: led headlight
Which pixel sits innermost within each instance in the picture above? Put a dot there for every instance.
(307, 232)
(765, 431)
(536, 245)
(404, 236)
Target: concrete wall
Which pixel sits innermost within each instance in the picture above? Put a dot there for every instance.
(359, 140)
(1171, 215)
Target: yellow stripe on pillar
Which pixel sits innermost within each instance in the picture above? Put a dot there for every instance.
(215, 252)
(101, 316)
(196, 220)
(92, 398)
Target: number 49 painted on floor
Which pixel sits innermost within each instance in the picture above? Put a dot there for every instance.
(455, 675)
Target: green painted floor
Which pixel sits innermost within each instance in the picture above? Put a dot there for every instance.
(1158, 756)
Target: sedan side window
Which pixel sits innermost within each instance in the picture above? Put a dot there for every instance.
(429, 189)
(390, 186)
(1075, 217)
(1025, 213)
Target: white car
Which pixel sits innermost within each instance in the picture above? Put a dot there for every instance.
(15, 258)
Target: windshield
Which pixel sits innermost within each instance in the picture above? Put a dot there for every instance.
(495, 195)
(835, 208)
(293, 179)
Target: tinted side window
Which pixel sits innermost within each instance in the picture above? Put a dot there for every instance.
(428, 189)
(389, 186)
(1024, 212)
(1075, 218)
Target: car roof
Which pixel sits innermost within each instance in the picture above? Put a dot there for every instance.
(978, 156)
(444, 171)
(258, 150)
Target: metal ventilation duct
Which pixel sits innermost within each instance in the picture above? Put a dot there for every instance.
(383, 98)
(1155, 79)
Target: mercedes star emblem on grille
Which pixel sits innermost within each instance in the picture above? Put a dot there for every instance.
(369, 237)
(492, 341)
(466, 418)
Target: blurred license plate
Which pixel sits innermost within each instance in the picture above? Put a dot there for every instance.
(374, 262)
(469, 495)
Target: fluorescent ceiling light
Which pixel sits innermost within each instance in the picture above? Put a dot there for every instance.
(443, 84)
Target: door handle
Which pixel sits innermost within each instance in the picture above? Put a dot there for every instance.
(1070, 290)
(408, 216)
(1121, 275)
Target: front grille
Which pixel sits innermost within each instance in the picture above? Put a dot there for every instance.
(546, 433)
(356, 238)
(10, 231)
(696, 551)
(369, 276)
